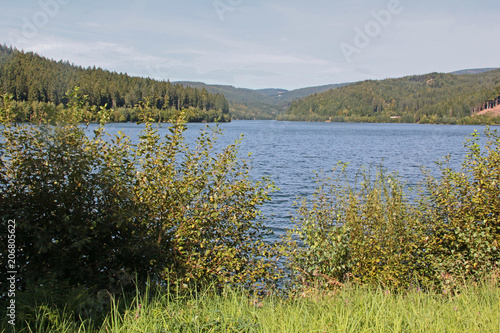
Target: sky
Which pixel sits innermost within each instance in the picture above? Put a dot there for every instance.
(256, 44)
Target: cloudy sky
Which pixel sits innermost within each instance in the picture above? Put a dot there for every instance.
(259, 44)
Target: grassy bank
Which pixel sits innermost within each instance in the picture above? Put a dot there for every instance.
(352, 309)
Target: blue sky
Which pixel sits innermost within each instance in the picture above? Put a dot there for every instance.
(259, 44)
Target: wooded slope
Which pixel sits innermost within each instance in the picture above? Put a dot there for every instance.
(32, 78)
(434, 97)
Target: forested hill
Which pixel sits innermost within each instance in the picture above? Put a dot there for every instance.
(32, 78)
(243, 103)
(261, 103)
(430, 98)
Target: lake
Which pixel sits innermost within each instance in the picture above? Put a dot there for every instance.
(290, 152)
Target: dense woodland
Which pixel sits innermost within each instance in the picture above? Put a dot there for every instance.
(32, 79)
(430, 98)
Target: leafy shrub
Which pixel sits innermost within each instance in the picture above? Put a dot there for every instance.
(200, 208)
(361, 232)
(462, 214)
(98, 211)
(371, 233)
(73, 209)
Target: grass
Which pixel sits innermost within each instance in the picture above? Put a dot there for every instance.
(352, 309)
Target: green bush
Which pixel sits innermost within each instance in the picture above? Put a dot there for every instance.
(200, 208)
(361, 232)
(98, 211)
(461, 233)
(73, 213)
(370, 233)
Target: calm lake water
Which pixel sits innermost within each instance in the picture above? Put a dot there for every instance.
(290, 152)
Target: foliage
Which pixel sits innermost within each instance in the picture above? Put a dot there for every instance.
(99, 211)
(33, 79)
(200, 207)
(69, 195)
(370, 233)
(462, 213)
(361, 233)
(429, 98)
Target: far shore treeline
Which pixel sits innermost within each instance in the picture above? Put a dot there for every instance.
(36, 82)
(443, 98)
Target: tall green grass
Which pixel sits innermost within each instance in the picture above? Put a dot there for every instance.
(351, 309)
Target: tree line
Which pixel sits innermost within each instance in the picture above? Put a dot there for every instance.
(31, 78)
(430, 98)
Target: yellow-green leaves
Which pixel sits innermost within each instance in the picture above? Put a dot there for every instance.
(463, 210)
(92, 207)
(371, 233)
(201, 207)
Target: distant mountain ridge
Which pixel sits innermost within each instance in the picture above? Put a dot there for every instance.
(270, 95)
(270, 103)
(260, 103)
(272, 92)
(473, 71)
(31, 77)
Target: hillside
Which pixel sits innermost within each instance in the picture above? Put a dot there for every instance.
(243, 103)
(434, 98)
(262, 103)
(31, 78)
